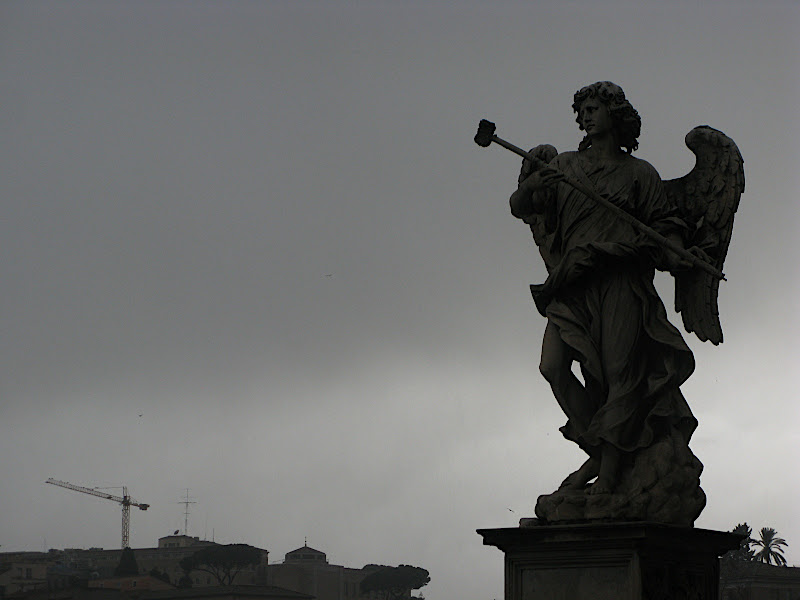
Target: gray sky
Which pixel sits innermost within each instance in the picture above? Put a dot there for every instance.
(250, 249)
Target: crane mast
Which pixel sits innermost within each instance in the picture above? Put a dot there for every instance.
(125, 500)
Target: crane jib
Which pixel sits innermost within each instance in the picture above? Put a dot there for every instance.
(125, 500)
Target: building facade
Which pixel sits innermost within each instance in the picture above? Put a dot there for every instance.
(750, 580)
(308, 571)
(26, 571)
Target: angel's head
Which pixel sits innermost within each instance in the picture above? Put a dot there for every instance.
(625, 121)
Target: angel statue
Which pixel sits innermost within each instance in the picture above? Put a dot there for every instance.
(603, 221)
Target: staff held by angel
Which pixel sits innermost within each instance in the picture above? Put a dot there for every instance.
(604, 221)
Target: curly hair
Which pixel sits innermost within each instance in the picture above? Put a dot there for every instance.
(626, 121)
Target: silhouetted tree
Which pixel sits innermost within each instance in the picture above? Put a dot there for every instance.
(393, 583)
(770, 544)
(743, 552)
(186, 566)
(224, 563)
(127, 564)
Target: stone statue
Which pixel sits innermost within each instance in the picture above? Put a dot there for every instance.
(603, 221)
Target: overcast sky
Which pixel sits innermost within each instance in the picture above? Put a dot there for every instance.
(250, 249)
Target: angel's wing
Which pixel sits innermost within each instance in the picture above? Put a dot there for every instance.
(541, 224)
(708, 198)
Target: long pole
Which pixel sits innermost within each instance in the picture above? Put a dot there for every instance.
(486, 136)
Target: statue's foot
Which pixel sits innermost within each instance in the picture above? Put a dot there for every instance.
(572, 482)
(579, 479)
(607, 475)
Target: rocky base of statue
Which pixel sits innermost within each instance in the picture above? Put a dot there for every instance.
(659, 484)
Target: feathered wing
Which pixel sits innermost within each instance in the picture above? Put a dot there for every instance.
(708, 198)
(541, 225)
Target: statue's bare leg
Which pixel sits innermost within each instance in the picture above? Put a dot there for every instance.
(556, 367)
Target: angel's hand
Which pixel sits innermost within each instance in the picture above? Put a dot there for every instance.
(524, 201)
(544, 153)
(701, 254)
(526, 170)
(670, 260)
(541, 180)
(675, 263)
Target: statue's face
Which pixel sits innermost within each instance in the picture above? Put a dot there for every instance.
(594, 117)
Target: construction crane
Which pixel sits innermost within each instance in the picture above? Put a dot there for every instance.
(125, 500)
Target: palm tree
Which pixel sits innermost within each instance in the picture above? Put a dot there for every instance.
(770, 545)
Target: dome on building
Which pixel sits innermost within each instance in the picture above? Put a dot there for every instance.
(306, 555)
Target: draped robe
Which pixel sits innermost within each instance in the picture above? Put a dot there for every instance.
(599, 294)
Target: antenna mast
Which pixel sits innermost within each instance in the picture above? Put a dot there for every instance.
(186, 502)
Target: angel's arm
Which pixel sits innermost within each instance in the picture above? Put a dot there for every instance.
(535, 191)
(669, 261)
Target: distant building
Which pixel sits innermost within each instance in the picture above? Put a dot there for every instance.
(182, 541)
(234, 592)
(307, 570)
(749, 580)
(305, 573)
(24, 575)
(24, 571)
(131, 583)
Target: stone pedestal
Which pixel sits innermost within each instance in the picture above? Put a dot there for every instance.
(610, 561)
